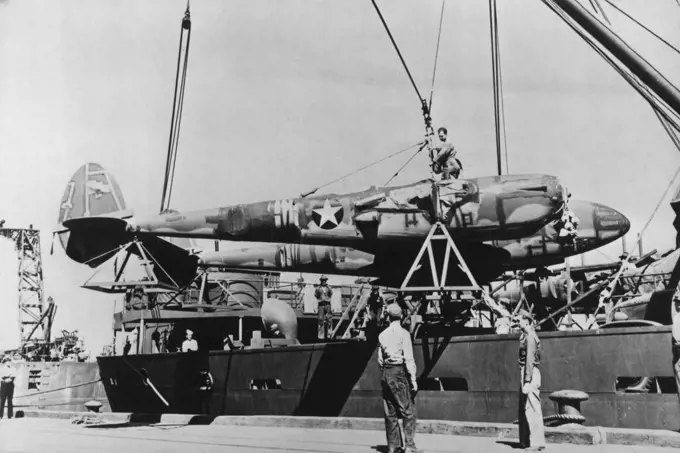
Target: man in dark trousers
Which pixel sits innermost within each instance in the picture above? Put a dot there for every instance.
(399, 386)
(323, 294)
(531, 432)
(7, 376)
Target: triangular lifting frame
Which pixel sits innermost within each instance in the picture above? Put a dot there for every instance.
(151, 284)
(439, 233)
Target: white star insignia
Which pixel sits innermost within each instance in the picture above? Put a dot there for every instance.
(327, 213)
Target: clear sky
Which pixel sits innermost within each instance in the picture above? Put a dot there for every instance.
(284, 96)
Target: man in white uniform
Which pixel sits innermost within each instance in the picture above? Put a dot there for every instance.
(189, 344)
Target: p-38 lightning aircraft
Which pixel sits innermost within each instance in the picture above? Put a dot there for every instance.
(497, 222)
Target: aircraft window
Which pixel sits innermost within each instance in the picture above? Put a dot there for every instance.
(265, 384)
(646, 385)
(443, 384)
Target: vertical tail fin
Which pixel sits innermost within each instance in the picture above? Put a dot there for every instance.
(91, 192)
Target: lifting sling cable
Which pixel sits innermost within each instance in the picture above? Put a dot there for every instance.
(177, 107)
(495, 65)
(422, 146)
(652, 98)
(178, 125)
(643, 26)
(436, 55)
(304, 195)
(502, 104)
(423, 103)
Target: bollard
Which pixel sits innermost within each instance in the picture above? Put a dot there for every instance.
(568, 409)
(93, 405)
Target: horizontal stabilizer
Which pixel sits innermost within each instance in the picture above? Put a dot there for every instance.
(109, 224)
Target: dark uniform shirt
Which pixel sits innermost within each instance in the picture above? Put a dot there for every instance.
(323, 293)
(375, 302)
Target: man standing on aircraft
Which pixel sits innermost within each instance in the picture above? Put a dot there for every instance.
(531, 434)
(675, 338)
(323, 295)
(399, 385)
(444, 156)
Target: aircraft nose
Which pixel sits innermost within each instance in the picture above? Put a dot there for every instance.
(599, 224)
(610, 224)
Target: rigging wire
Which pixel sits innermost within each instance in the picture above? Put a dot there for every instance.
(179, 119)
(663, 118)
(643, 26)
(502, 99)
(493, 26)
(387, 29)
(653, 100)
(671, 133)
(436, 53)
(422, 146)
(599, 10)
(177, 109)
(361, 169)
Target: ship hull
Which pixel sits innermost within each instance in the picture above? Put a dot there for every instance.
(472, 378)
(64, 386)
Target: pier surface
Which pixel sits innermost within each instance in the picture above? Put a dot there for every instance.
(39, 435)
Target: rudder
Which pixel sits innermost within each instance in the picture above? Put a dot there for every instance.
(91, 192)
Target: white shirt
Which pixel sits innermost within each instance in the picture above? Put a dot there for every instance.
(189, 345)
(8, 371)
(396, 348)
(676, 327)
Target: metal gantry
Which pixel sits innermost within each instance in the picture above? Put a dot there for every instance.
(31, 305)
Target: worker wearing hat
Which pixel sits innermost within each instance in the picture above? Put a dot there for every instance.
(398, 381)
(7, 375)
(531, 434)
(189, 344)
(323, 294)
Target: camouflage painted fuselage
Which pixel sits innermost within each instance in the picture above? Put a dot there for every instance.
(479, 209)
(599, 225)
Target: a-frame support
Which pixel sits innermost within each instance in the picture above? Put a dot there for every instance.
(439, 287)
(439, 233)
(119, 285)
